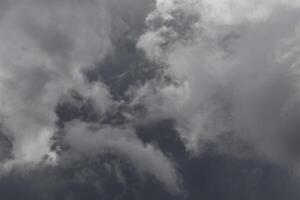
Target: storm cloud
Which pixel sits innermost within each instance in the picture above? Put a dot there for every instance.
(235, 72)
(149, 99)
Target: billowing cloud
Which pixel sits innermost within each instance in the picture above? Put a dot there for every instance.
(234, 70)
(44, 47)
(223, 72)
(92, 140)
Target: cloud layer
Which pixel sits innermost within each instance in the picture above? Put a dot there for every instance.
(224, 73)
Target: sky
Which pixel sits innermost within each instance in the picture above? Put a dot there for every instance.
(149, 99)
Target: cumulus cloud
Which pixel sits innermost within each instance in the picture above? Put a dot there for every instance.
(234, 68)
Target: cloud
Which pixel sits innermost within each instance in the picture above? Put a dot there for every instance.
(227, 69)
(234, 70)
(93, 140)
(44, 47)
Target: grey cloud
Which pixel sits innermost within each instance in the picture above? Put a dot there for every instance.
(89, 139)
(226, 72)
(231, 75)
(44, 48)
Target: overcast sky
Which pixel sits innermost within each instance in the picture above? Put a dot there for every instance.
(149, 99)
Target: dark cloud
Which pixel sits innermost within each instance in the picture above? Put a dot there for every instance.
(165, 99)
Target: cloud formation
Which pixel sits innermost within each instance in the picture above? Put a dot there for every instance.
(89, 140)
(234, 71)
(226, 71)
(44, 47)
